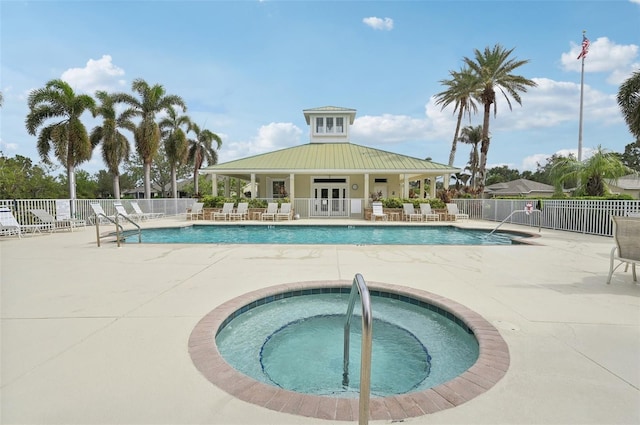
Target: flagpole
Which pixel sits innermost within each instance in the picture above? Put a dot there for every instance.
(581, 103)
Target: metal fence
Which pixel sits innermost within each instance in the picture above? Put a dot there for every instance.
(583, 216)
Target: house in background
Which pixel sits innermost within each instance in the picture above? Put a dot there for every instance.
(521, 187)
(627, 185)
(330, 176)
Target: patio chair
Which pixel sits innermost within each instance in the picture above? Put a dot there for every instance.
(196, 211)
(410, 213)
(99, 215)
(626, 235)
(378, 212)
(63, 215)
(270, 213)
(49, 222)
(241, 213)
(122, 211)
(10, 226)
(427, 212)
(285, 211)
(143, 215)
(452, 211)
(227, 209)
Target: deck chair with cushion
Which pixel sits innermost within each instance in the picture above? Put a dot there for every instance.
(284, 212)
(196, 211)
(410, 213)
(452, 211)
(626, 234)
(427, 212)
(378, 212)
(241, 213)
(223, 214)
(143, 215)
(270, 213)
(122, 211)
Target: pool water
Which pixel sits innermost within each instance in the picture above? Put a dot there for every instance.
(297, 343)
(323, 234)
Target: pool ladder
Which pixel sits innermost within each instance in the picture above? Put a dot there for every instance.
(527, 212)
(360, 286)
(119, 228)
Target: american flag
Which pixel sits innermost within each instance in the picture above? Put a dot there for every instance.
(585, 47)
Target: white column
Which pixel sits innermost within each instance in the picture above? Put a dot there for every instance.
(405, 189)
(253, 186)
(366, 189)
(432, 187)
(214, 184)
(227, 189)
(292, 185)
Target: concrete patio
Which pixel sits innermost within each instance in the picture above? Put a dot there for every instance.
(100, 335)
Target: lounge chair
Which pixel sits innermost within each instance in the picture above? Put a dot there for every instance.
(63, 215)
(227, 209)
(10, 226)
(99, 216)
(378, 212)
(270, 213)
(410, 213)
(427, 212)
(241, 213)
(284, 212)
(122, 211)
(626, 234)
(49, 222)
(452, 211)
(196, 210)
(142, 214)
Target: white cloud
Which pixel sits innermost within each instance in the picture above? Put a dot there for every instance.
(8, 147)
(530, 163)
(388, 129)
(604, 56)
(98, 74)
(381, 24)
(270, 137)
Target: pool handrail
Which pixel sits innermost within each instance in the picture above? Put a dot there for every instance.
(359, 285)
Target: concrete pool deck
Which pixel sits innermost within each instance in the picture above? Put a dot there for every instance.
(100, 335)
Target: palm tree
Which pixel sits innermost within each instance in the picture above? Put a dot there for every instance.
(1, 99)
(115, 146)
(67, 135)
(176, 145)
(629, 102)
(472, 136)
(461, 89)
(591, 174)
(493, 68)
(153, 100)
(201, 149)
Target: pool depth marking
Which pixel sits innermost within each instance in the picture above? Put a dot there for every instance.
(492, 364)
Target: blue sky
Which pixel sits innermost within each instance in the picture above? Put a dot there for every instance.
(247, 69)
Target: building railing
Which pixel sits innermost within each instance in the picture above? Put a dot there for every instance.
(583, 216)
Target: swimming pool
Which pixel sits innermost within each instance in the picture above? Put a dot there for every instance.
(326, 235)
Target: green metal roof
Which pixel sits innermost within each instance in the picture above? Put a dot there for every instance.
(322, 157)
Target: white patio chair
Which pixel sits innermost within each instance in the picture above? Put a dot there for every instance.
(10, 226)
(284, 212)
(122, 211)
(378, 212)
(49, 222)
(142, 214)
(427, 212)
(241, 213)
(452, 210)
(270, 213)
(626, 234)
(410, 213)
(196, 211)
(99, 215)
(227, 209)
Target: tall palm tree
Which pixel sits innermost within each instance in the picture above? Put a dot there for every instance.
(461, 89)
(201, 149)
(115, 145)
(493, 68)
(472, 136)
(67, 135)
(153, 100)
(591, 174)
(176, 145)
(629, 102)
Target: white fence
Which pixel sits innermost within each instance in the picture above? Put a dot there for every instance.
(583, 216)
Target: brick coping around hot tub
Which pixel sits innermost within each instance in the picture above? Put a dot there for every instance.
(489, 368)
